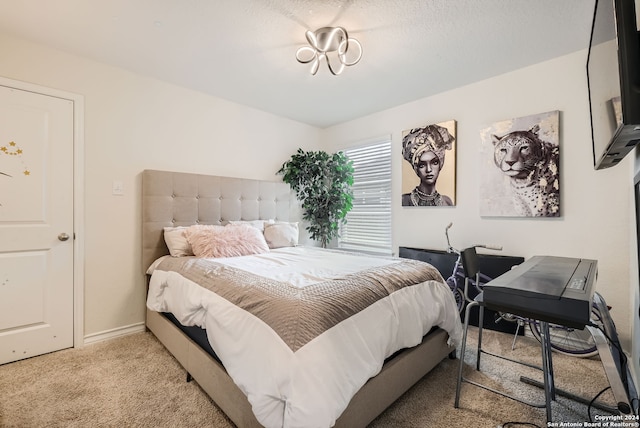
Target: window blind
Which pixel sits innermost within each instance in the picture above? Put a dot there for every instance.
(368, 226)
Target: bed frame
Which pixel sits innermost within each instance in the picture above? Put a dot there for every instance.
(183, 199)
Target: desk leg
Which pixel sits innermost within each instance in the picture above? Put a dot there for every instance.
(547, 368)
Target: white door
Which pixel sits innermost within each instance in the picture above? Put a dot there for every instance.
(36, 224)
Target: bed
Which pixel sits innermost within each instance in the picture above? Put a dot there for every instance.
(282, 376)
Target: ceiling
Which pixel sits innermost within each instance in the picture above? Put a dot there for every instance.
(244, 50)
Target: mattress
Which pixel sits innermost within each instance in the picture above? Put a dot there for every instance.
(195, 333)
(281, 325)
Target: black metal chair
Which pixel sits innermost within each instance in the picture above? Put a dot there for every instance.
(470, 263)
(469, 259)
(471, 266)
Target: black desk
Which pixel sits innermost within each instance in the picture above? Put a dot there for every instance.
(547, 363)
(548, 289)
(563, 295)
(555, 289)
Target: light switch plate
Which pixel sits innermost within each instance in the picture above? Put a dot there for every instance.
(118, 188)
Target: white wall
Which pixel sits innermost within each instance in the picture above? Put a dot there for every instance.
(134, 123)
(634, 292)
(595, 221)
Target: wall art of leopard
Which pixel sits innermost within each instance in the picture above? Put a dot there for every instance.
(533, 168)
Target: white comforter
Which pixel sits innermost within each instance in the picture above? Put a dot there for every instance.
(312, 386)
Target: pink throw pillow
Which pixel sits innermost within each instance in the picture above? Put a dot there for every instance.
(226, 241)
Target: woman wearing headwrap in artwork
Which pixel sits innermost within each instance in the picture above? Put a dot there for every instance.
(424, 149)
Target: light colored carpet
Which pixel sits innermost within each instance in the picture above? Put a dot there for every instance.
(133, 381)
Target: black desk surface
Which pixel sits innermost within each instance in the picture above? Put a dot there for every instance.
(547, 288)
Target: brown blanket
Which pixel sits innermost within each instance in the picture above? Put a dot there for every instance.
(296, 314)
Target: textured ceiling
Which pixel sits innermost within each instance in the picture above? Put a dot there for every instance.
(244, 50)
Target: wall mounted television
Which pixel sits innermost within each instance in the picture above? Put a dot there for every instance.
(613, 76)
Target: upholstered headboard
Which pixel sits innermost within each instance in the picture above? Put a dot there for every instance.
(183, 199)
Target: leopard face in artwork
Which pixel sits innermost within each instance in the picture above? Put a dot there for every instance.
(532, 166)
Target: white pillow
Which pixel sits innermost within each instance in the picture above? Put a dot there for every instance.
(281, 234)
(176, 241)
(258, 224)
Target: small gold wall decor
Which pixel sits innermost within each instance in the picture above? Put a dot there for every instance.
(12, 149)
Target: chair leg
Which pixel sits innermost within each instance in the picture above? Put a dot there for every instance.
(480, 323)
(462, 351)
(515, 335)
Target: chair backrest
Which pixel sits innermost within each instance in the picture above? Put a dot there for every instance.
(470, 264)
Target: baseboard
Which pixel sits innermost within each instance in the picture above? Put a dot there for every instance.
(114, 333)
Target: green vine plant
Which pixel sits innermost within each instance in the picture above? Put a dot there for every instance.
(322, 183)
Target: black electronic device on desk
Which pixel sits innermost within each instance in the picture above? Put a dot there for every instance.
(558, 290)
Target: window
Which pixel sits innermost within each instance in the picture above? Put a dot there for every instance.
(368, 226)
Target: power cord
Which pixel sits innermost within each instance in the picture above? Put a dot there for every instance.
(622, 357)
(594, 400)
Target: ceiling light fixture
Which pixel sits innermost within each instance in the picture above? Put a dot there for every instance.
(328, 42)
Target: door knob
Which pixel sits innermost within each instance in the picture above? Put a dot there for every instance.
(63, 237)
